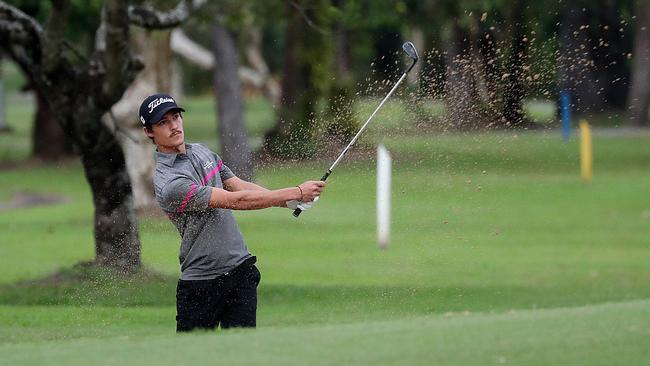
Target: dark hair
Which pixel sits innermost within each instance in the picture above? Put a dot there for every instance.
(149, 128)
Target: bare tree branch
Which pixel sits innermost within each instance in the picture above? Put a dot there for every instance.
(148, 17)
(119, 63)
(54, 34)
(17, 27)
(308, 20)
(21, 38)
(192, 51)
(258, 76)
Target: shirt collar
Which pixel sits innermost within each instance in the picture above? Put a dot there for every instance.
(169, 158)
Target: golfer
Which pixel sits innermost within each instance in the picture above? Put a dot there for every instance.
(197, 191)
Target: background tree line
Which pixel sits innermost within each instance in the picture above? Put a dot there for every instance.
(89, 63)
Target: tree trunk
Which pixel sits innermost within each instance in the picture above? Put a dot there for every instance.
(479, 72)
(576, 64)
(4, 126)
(341, 45)
(460, 87)
(117, 241)
(304, 80)
(140, 166)
(80, 94)
(513, 111)
(49, 142)
(157, 77)
(232, 130)
(639, 95)
(341, 97)
(137, 147)
(612, 68)
(253, 51)
(294, 102)
(417, 37)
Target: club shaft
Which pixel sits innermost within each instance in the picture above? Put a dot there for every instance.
(297, 211)
(336, 162)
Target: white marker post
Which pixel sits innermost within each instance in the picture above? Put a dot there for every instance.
(384, 162)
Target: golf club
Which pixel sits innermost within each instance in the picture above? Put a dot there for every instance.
(412, 53)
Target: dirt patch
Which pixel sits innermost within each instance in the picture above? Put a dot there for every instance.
(90, 272)
(31, 199)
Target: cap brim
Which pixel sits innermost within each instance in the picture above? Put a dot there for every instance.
(158, 116)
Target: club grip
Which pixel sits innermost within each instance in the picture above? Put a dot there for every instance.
(327, 174)
(298, 211)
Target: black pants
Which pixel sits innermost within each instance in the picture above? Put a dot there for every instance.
(229, 300)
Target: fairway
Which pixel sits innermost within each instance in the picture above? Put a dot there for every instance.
(499, 255)
(150, 151)
(607, 334)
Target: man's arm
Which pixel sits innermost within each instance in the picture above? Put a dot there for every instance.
(258, 199)
(235, 184)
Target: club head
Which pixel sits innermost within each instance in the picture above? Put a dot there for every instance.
(410, 50)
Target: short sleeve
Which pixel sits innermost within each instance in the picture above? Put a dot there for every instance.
(182, 194)
(225, 172)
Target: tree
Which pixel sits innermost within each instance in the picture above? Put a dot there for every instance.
(576, 65)
(153, 49)
(81, 92)
(341, 96)
(230, 107)
(473, 94)
(304, 80)
(4, 127)
(639, 95)
(461, 93)
(513, 109)
(161, 75)
(609, 27)
(228, 76)
(49, 142)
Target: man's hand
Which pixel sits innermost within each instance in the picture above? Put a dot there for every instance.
(310, 190)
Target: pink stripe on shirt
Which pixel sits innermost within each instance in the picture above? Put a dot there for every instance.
(189, 195)
(213, 172)
(187, 199)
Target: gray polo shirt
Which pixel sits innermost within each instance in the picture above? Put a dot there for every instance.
(211, 243)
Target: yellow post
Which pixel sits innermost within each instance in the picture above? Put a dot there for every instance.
(586, 157)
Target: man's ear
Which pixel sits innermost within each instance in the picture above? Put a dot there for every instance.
(148, 132)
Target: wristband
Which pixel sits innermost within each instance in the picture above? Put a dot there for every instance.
(300, 193)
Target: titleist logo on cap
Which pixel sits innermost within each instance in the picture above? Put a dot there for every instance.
(156, 102)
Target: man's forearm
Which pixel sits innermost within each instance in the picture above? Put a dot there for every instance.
(253, 199)
(250, 186)
(236, 184)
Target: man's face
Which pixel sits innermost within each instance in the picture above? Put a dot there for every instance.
(168, 133)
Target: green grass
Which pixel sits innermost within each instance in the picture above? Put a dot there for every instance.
(499, 254)
(17, 145)
(608, 334)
